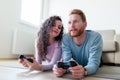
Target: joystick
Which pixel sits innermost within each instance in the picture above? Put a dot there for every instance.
(67, 64)
(23, 57)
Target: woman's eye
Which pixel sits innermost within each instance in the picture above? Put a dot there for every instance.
(53, 25)
(59, 27)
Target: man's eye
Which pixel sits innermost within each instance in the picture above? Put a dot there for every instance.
(69, 22)
(75, 21)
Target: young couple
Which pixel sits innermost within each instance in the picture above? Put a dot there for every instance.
(84, 46)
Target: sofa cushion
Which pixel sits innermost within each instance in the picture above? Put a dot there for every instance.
(107, 34)
(109, 45)
(108, 57)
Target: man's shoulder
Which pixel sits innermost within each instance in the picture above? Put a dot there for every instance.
(67, 37)
(66, 34)
(93, 33)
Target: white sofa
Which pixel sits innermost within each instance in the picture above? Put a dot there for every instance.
(111, 47)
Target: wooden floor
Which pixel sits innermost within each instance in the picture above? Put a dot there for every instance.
(12, 70)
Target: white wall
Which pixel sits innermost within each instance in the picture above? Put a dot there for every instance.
(101, 14)
(9, 21)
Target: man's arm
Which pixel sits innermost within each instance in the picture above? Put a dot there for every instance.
(94, 55)
(66, 51)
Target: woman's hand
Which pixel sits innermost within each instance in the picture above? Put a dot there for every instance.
(32, 66)
(23, 62)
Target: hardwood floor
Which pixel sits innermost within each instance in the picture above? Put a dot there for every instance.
(12, 70)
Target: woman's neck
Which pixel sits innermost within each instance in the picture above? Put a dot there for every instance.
(51, 41)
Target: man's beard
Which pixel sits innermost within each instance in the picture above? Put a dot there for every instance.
(79, 32)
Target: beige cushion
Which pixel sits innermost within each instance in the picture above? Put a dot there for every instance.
(108, 58)
(107, 34)
(109, 45)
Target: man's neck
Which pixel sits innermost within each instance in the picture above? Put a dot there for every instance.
(80, 39)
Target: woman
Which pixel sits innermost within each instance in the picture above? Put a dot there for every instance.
(47, 45)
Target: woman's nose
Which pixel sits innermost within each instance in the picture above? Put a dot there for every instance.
(56, 27)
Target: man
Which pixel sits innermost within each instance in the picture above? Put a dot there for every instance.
(84, 46)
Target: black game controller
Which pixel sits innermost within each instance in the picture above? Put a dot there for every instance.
(67, 64)
(23, 57)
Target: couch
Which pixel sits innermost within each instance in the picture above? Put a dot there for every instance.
(111, 47)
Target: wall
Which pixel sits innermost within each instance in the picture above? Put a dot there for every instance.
(9, 21)
(101, 14)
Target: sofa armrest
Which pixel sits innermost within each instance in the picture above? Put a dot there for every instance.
(117, 53)
(117, 37)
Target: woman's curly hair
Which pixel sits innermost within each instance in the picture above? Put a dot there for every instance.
(43, 35)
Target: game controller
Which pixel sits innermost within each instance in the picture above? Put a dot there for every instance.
(67, 64)
(23, 57)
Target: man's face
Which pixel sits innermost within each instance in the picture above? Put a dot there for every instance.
(76, 25)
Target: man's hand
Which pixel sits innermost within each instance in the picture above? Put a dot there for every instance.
(58, 71)
(77, 71)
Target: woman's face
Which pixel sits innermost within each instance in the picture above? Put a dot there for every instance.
(56, 29)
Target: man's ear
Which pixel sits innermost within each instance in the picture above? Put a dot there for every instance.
(85, 24)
